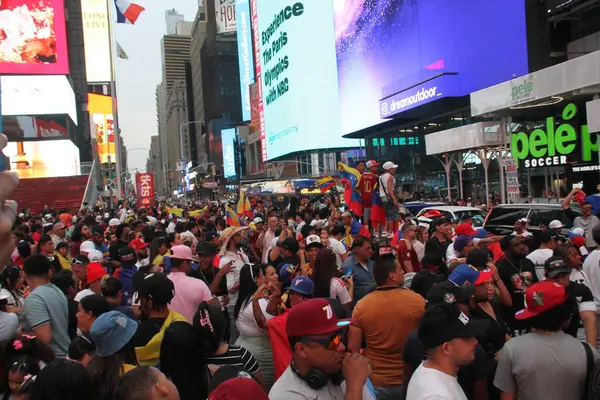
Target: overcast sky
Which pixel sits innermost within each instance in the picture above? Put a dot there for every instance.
(137, 77)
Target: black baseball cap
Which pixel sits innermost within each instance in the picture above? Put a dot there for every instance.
(127, 255)
(158, 288)
(444, 322)
(450, 293)
(208, 236)
(547, 235)
(555, 266)
(206, 249)
(290, 244)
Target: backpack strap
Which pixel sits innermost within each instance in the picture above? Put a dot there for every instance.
(590, 367)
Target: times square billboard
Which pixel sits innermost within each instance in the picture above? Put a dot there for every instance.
(327, 68)
(33, 38)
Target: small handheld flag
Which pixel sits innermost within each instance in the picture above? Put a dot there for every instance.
(325, 184)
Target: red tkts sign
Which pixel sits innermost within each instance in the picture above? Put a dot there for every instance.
(145, 189)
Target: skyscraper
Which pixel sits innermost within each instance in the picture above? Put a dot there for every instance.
(172, 17)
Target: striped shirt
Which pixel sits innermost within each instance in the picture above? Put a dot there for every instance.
(236, 356)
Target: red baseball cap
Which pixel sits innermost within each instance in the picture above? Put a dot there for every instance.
(137, 244)
(464, 228)
(541, 297)
(314, 317)
(95, 271)
(233, 383)
(578, 241)
(372, 163)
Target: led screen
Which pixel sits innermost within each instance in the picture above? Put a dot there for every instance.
(228, 136)
(244, 41)
(103, 132)
(394, 55)
(33, 37)
(43, 159)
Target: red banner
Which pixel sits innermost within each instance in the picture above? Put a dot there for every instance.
(145, 189)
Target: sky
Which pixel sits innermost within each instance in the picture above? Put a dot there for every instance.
(138, 76)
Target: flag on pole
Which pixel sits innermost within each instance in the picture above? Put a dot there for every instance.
(128, 13)
(325, 184)
(350, 178)
(121, 53)
(243, 206)
(231, 218)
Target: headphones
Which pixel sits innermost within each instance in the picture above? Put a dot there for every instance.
(317, 379)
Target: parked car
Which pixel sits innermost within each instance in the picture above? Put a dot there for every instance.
(415, 206)
(457, 213)
(502, 218)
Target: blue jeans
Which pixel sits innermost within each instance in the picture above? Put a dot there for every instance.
(388, 392)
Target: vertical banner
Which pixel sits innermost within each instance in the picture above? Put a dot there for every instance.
(228, 137)
(512, 179)
(245, 61)
(145, 189)
(258, 77)
(225, 16)
(96, 39)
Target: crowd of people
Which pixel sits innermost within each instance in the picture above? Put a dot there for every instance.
(304, 302)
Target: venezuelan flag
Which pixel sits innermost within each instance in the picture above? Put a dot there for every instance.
(378, 213)
(232, 218)
(350, 178)
(325, 184)
(243, 206)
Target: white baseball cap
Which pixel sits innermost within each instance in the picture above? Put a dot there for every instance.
(257, 220)
(556, 224)
(87, 246)
(577, 232)
(95, 256)
(372, 163)
(114, 222)
(313, 240)
(389, 165)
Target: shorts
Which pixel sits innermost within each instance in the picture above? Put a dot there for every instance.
(392, 211)
(366, 215)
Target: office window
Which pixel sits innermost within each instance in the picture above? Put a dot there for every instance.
(375, 142)
(381, 141)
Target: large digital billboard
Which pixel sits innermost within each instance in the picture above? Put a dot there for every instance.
(34, 128)
(225, 16)
(394, 55)
(33, 38)
(103, 133)
(227, 137)
(43, 159)
(96, 40)
(298, 76)
(245, 60)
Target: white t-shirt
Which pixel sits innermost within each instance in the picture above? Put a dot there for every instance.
(338, 249)
(246, 323)
(431, 384)
(579, 276)
(299, 229)
(5, 293)
(420, 249)
(239, 259)
(525, 233)
(337, 290)
(538, 258)
(591, 268)
(82, 294)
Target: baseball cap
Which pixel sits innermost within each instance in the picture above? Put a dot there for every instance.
(372, 163)
(314, 241)
(449, 292)
(111, 332)
(302, 285)
(547, 235)
(235, 383)
(556, 224)
(555, 266)
(290, 244)
(464, 228)
(58, 226)
(481, 233)
(114, 222)
(540, 297)
(469, 275)
(95, 271)
(208, 236)
(444, 322)
(87, 246)
(314, 317)
(258, 220)
(286, 272)
(181, 252)
(127, 254)
(206, 249)
(574, 232)
(137, 244)
(578, 241)
(461, 242)
(158, 288)
(389, 165)
(95, 256)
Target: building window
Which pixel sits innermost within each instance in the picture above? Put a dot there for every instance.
(395, 141)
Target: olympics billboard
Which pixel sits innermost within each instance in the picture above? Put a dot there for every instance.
(245, 61)
(33, 38)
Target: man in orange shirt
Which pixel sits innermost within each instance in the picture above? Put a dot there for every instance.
(366, 185)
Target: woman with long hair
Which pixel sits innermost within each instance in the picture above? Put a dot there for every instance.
(419, 243)
(158, 249)
(115, 355)
(250, 313)
(182, 360)
(326, 278)
(62, 380)
(11, 284)
(80, 234)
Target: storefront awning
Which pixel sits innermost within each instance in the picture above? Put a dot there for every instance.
(576, 76)
(467, 137)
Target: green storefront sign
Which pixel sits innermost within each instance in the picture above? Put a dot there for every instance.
(556, 145)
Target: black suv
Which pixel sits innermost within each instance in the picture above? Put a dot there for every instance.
(502, 218)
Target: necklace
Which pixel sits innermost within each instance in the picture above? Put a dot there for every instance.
(520, 269)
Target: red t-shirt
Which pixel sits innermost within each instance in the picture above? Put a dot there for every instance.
(365, 186)
(410, 255)
(282, 353)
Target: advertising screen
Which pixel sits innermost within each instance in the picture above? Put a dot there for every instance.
(396, 55)
(33, 38)
(38, 95)
(96, 40)
(100, 109)
(246, 64)
(43, 159)
(225, 16)
(32, 128)
(296, 71)
(228, 136)
(145, 189)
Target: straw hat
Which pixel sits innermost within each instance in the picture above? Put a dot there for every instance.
(228, 233)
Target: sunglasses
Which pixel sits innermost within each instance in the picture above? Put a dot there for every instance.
(76, 261)
(587, 208)
(332, 343)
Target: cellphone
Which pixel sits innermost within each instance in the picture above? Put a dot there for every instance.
(349, 273)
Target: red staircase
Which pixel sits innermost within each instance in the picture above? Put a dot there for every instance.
(57, 193)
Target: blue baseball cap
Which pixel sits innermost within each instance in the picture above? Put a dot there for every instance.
(111, 332)
(302, 285)
(466, 274)
(286, 272)
(481, 233)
